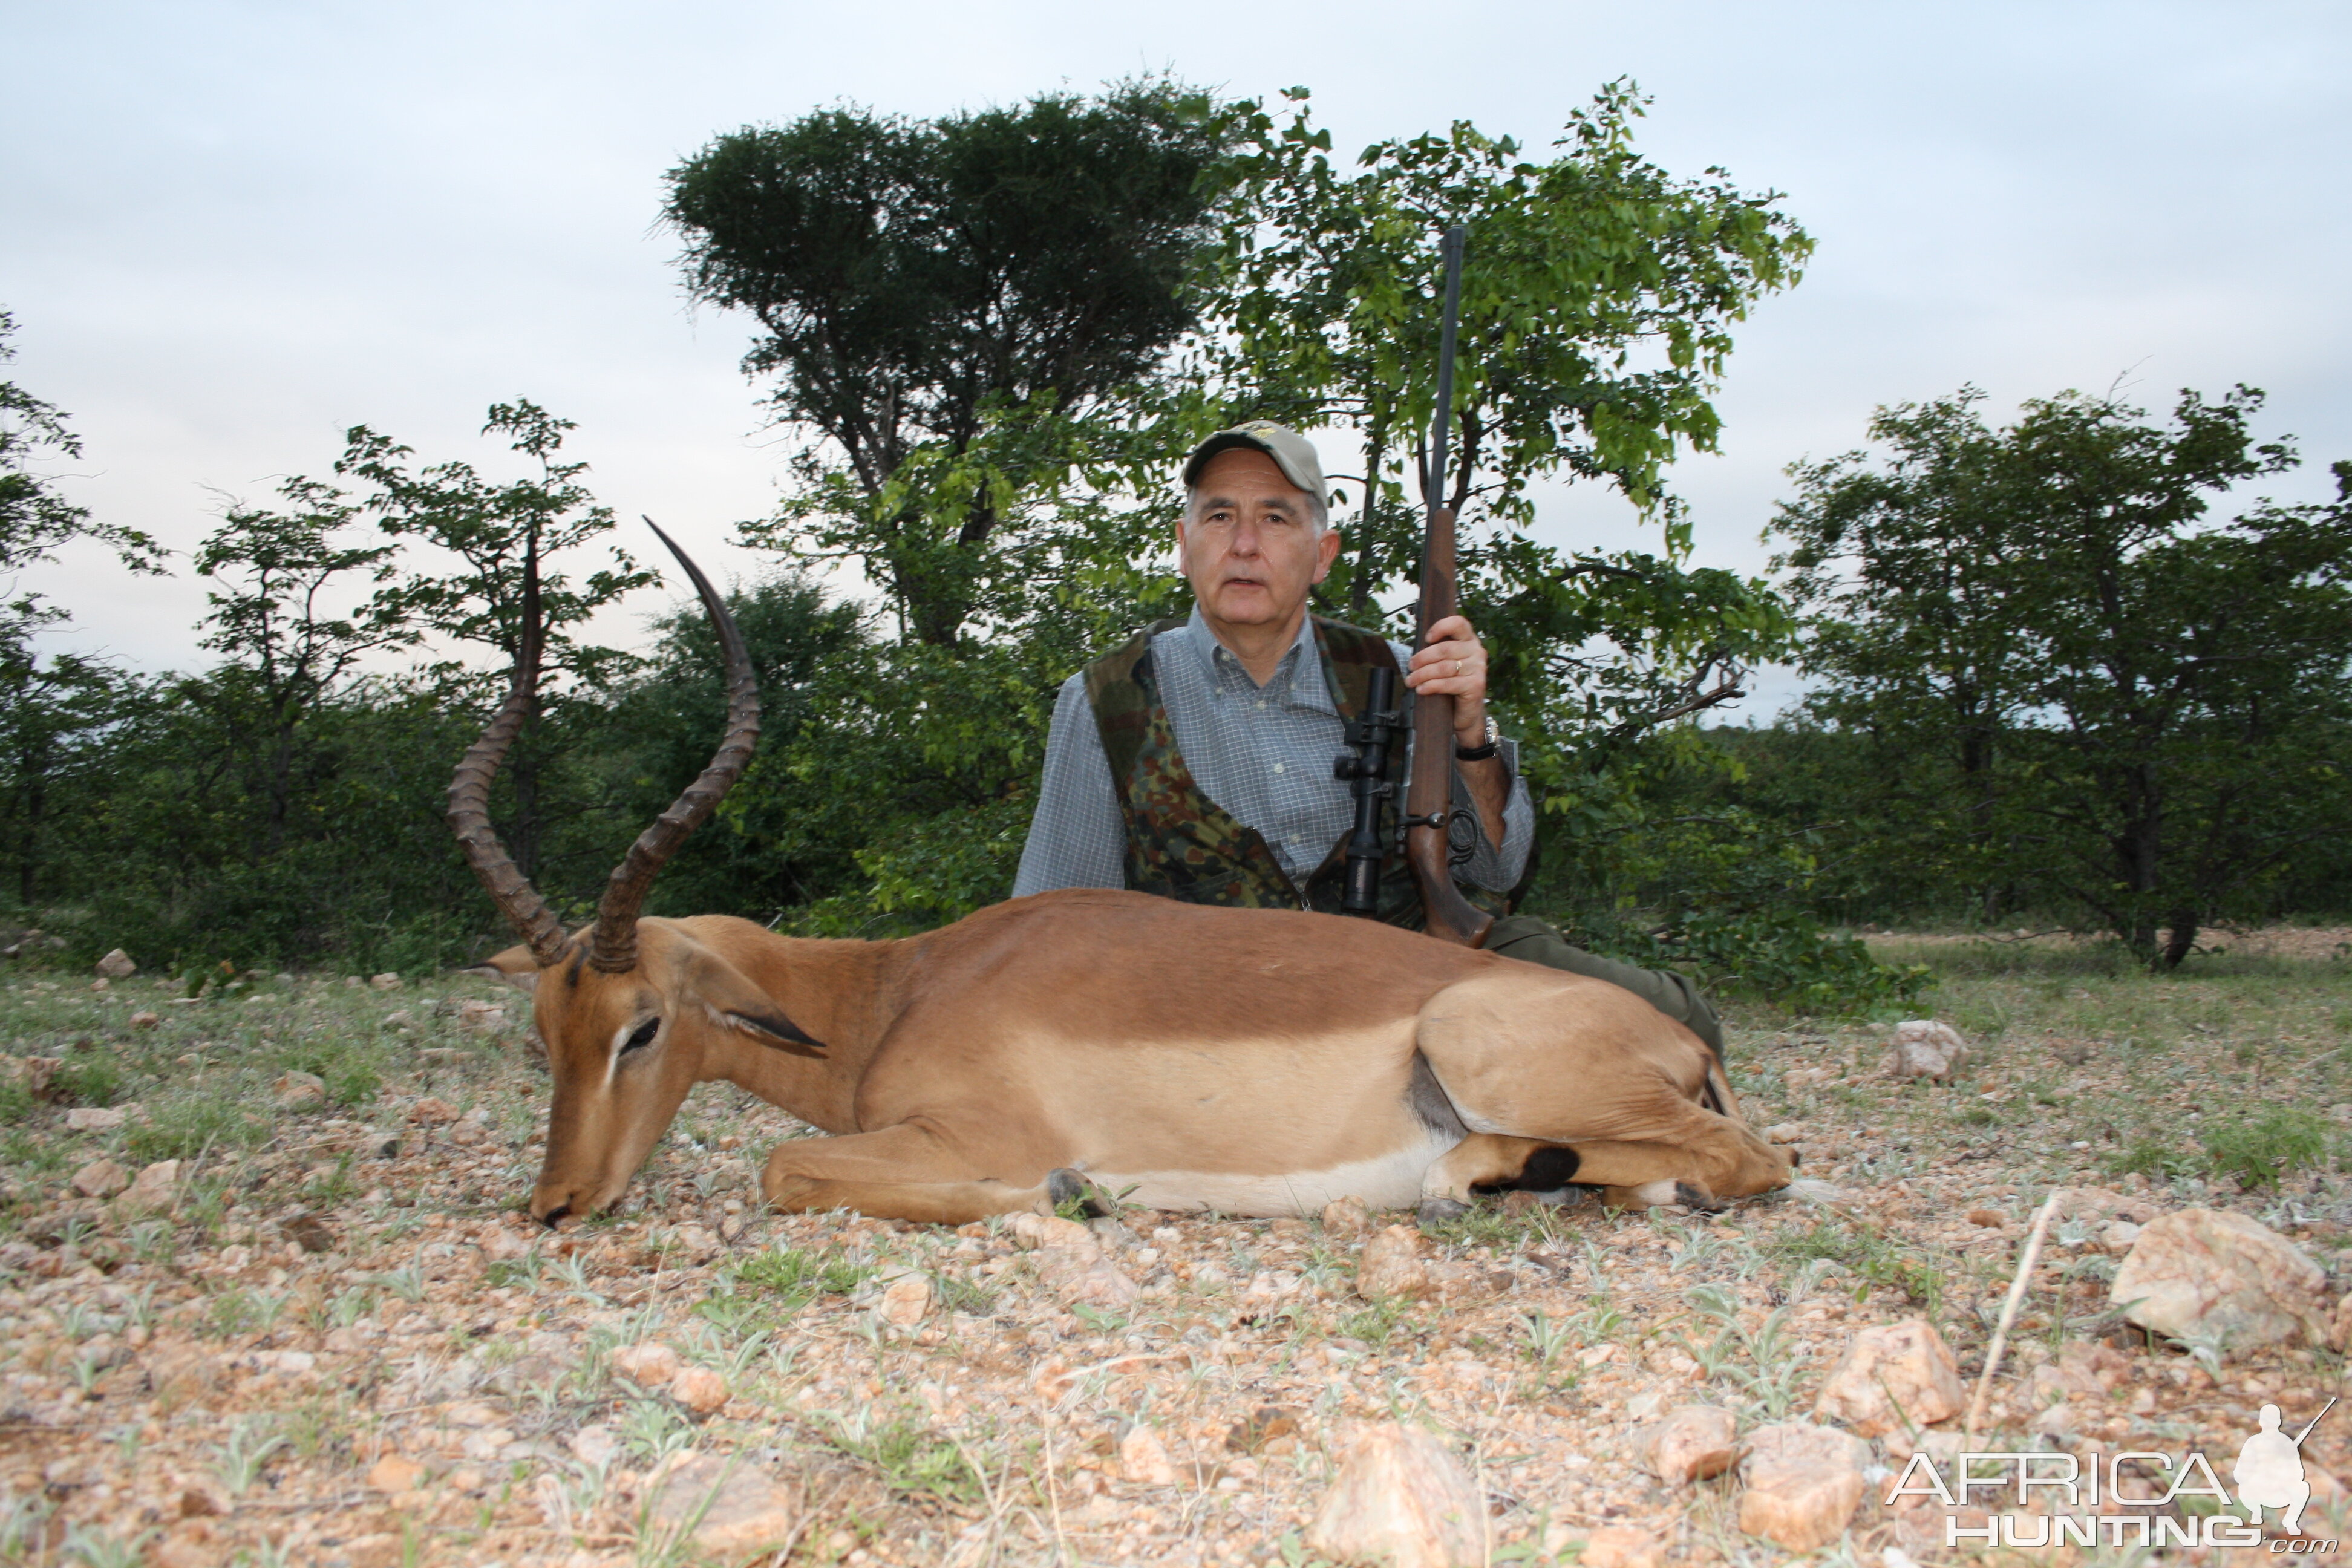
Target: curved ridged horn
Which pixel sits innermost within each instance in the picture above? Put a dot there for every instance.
(614, 947)
(469, 802)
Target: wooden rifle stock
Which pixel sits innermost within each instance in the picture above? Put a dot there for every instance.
(1429, 794)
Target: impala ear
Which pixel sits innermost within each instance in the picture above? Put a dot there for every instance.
(772, 1028)
(514, 967)
(733, 1001)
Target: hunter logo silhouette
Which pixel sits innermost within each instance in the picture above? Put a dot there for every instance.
(2269, 1471)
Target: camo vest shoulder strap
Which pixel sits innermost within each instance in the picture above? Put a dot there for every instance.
(1122, 700)
(1351, 654)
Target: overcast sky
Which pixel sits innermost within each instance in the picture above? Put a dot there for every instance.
(228, 232)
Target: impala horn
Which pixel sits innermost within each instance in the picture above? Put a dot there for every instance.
(469, 800)
(612, 947)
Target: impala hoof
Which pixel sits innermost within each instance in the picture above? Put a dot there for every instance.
(1698, 1199)
(1436, 1211)
(1066, 1186)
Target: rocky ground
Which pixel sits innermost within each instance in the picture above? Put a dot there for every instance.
(266, 1297)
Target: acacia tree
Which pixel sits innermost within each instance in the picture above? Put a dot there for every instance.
(2096, 697)
(958, 311)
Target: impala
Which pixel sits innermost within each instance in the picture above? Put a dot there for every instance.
(1249, 1061)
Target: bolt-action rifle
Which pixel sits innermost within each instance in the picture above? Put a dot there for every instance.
(1429, 793)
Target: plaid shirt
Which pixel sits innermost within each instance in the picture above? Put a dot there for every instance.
(1262, 752)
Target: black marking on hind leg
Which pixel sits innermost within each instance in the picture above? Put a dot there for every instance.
(1548, 1170)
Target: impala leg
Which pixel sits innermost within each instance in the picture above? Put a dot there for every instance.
(898, 1172)
(1633, 1142)
(1483, 1159)
(1647, 1175)
(1623, 1098)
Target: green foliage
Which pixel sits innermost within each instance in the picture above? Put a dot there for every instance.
(2066, 689)
(58, 713)
(1578, 270)
(35, 519)
(1663, 863)
(961, 308)
(502, 537)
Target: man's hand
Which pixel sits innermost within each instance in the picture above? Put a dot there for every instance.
(1453, 664)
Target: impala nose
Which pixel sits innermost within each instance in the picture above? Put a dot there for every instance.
(559, 1212)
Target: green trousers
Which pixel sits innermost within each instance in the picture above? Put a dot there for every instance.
(1527, 938)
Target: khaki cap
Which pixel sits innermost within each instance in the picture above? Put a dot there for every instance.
(1291, 452)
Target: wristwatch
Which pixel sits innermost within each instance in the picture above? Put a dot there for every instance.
(1462, 753)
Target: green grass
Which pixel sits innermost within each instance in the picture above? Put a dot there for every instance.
(1375, 1323)
(1878, 1262)
(2221, 1071)
(911, 1458)
(961, 1296)
(767, 1288)
(87, 1078)
(2260, 1148)
(189, 1124)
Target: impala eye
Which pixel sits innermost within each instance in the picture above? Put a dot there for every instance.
(641, 1037)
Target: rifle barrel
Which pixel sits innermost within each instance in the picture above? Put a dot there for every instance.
(1429, 793)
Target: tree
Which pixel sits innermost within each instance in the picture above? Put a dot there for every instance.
(1597, 300)
(1003, 278)
(35, 519)
(2099, 700)
(56, 713)
(508, 595)
(785, 837)
(287, 653)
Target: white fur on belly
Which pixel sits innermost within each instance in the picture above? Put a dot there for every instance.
(1389, 1181)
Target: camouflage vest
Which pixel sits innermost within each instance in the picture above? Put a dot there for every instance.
(1183, 845)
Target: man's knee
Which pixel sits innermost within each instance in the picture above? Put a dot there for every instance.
(1676, 995)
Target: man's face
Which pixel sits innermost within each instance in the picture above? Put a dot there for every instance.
(1249, 545)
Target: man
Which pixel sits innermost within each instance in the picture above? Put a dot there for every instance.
(1195, 763)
